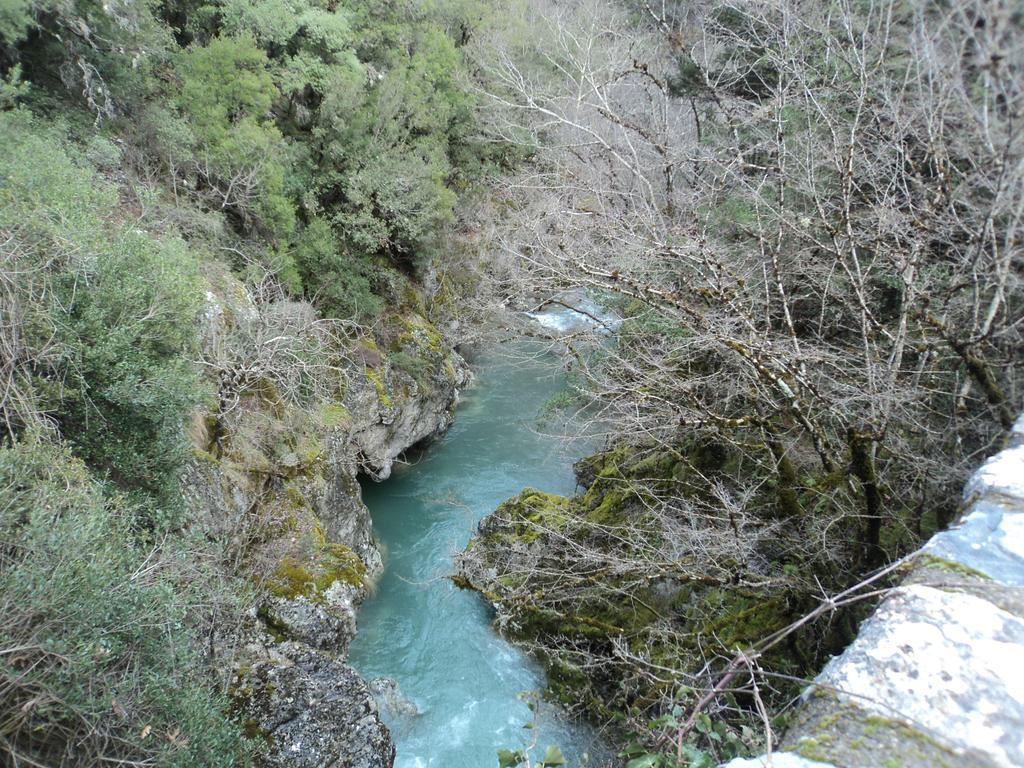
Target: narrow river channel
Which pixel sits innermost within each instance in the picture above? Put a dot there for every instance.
(418, 629)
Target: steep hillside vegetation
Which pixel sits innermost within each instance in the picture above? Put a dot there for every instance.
(223, 237)
(235, 241)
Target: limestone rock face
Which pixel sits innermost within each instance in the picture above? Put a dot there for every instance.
(274, 475)
(261, 452)
(936, 676)
(315, 711)
(946, 661)
(393, 410)
(423, 415)
(989, 539)
(326, 623)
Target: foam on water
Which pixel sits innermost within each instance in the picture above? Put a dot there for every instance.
(581, 313)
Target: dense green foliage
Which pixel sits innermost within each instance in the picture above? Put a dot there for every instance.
(318, 150)
(107, 313)
(226, 94)
(100, 346)
(279, 117)
(98, 665)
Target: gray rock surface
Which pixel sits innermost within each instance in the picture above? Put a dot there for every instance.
(315, 711)
(421, 413)
(989, 539)
(999, 476)
(936, 676)
(776, 760)
(944, 662)
(327, 623)
(390, 698)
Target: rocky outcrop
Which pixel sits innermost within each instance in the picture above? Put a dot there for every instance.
(325, 621)
(608, 587)
(302, 409)
(934, 678)
(312, 709)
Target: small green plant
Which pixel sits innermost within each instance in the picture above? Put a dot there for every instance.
(509, 759)
(701, 743)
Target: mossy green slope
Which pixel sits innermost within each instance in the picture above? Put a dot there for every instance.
(586, 581)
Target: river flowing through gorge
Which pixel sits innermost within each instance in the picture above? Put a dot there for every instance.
(460, 681)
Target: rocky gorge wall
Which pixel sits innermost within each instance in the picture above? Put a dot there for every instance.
(936, 677)
(299, 413)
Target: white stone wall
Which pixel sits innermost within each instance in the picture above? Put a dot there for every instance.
(936, 676)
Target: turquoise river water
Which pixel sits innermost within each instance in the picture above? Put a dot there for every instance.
(434, 639)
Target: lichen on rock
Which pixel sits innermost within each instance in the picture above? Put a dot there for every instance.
(275, 476)
(311, 710)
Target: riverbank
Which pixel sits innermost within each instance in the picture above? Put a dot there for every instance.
(273, 475)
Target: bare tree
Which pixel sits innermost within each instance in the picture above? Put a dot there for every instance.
(810, 215)
(820, 207)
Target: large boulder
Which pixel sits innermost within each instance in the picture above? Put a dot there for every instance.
(312, 710)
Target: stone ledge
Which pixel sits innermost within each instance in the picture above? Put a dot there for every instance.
(988, 539)
(936, 675)
(947, 664)
(776, 760)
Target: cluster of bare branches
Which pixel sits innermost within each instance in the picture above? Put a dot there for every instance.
(277, 349)
(626, 601)
(809, 214)
(819, 208)
(27, 345)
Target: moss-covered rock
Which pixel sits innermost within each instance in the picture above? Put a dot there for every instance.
(601, 582)
(525, 517)
(845, 734)
(312, 575)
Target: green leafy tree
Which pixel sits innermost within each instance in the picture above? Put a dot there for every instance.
(226, 94)
(388, 188)
(16, 17)
(338, 281)
(304, 40)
